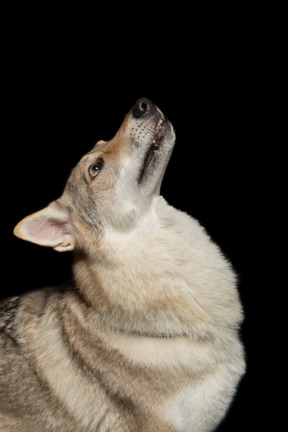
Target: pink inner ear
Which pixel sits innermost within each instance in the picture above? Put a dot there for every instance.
(43, 228)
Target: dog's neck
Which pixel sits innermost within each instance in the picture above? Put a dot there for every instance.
(135, 284)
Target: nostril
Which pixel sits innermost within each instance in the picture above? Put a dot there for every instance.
(141, 107)
(144, 106)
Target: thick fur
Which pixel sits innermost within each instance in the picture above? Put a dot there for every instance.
(145, 338)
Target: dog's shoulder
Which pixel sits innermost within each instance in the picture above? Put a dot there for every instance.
(8, 311)
(16, 312)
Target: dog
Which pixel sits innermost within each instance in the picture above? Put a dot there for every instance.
(146, 336)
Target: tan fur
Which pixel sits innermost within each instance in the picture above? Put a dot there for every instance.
(145, 338)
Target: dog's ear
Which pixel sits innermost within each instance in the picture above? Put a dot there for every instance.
(48, 227)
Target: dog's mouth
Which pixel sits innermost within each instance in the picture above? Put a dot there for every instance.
(159, 135)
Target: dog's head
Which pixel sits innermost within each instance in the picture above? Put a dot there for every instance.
(111, 186)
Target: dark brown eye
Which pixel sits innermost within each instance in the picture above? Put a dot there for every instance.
(95, 168)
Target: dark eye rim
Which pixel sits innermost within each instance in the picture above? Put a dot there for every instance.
(95, 168)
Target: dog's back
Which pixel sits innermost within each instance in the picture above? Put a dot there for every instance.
(146, 336)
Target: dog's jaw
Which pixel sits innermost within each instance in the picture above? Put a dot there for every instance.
(160, 131)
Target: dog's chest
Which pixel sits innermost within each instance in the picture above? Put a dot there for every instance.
(196, 394)
(125, 376)
(108, 378)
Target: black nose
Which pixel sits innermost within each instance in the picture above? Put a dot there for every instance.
(142, 107)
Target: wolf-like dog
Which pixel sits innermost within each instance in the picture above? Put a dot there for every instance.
(146, 336)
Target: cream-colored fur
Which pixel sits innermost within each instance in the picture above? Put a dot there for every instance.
(145, 339)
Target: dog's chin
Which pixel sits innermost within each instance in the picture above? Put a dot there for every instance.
(156, 151)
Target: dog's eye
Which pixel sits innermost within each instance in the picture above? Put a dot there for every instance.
(95, 168)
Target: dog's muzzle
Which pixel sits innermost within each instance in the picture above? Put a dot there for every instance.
(154, 128)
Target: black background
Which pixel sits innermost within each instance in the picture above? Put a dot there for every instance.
(62, 92)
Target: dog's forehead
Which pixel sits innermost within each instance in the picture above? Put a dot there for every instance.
(116, 148)
(98, 147)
